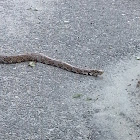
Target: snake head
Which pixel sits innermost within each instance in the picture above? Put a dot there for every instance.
(95, 72)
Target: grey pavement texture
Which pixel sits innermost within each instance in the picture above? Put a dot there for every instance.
(40, 103)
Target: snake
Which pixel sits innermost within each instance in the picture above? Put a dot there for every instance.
(40, 58)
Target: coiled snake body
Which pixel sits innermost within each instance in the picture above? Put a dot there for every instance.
(49, 61)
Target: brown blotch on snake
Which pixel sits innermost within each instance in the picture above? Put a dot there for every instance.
(4, 59)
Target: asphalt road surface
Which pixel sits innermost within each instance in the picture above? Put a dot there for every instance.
(47, 103)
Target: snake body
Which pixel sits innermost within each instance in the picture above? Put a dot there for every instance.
(4, 59)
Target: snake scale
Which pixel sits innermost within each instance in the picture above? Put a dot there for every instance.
(36, 57)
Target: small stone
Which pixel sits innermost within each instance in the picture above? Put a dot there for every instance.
(138, 58)
(66, 21)
(32, 64)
